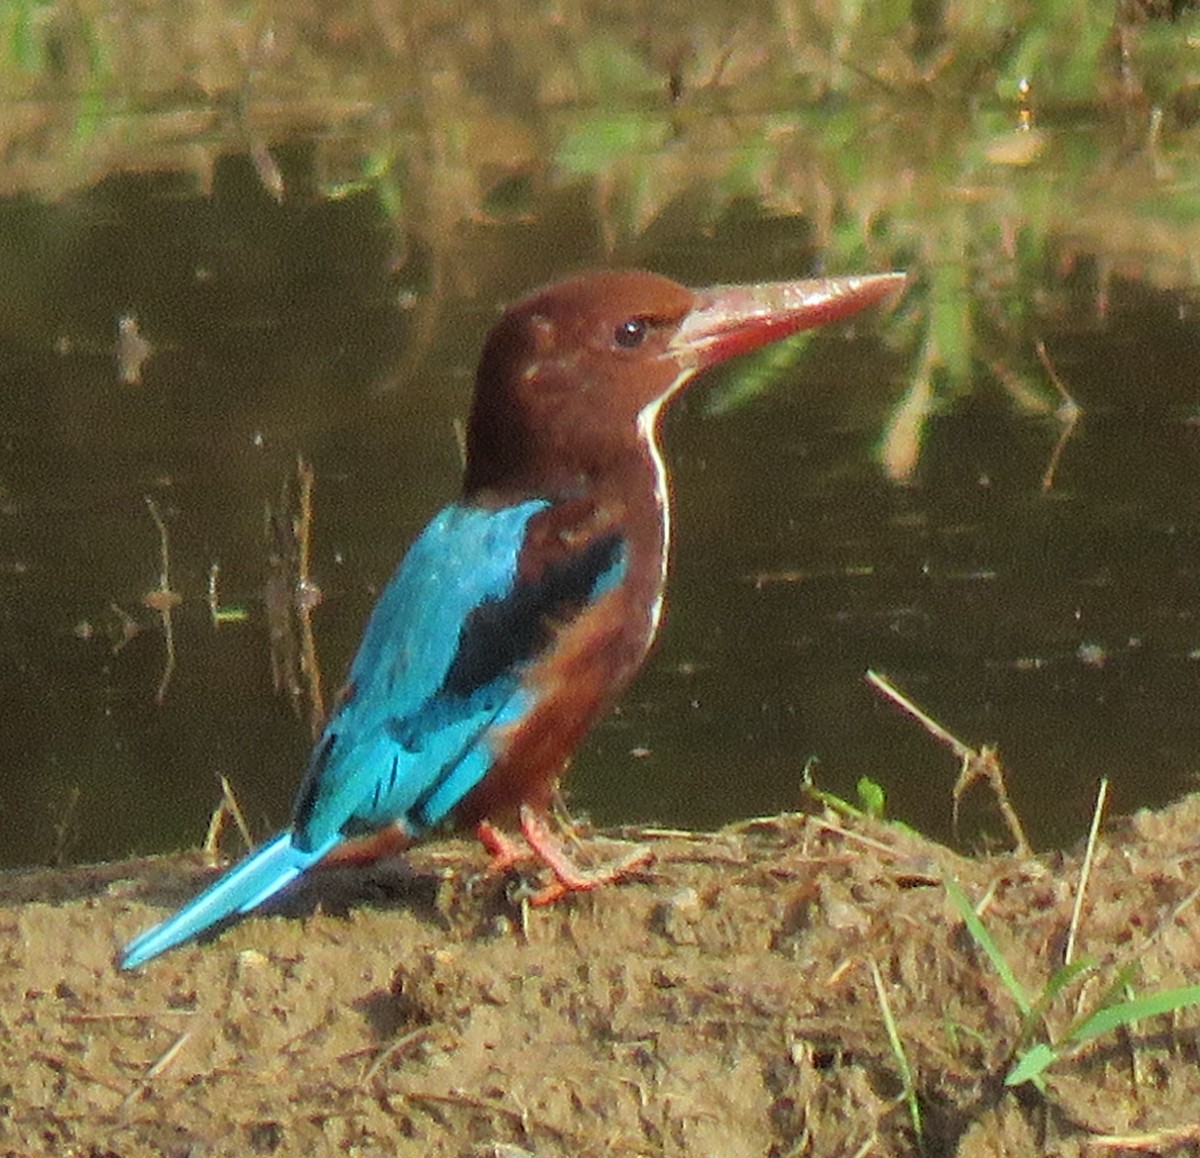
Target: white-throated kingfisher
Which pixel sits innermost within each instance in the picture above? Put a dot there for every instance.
(523, 609)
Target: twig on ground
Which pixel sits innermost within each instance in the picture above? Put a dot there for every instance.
(392, 1049)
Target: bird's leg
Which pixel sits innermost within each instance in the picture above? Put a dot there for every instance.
(568, 876)
(505, 851)
(541, 843)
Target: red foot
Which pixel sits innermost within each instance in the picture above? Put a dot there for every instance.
(541, 842)
(505, 851)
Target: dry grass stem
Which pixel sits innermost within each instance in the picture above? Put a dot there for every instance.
(1152, 1142)
(162, 600)
(1085, 870)
(394, 1049)
(981, 764)
(228, 808)
(1068, 414)
(308, 597)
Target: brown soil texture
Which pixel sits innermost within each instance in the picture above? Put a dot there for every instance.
(721, 1002)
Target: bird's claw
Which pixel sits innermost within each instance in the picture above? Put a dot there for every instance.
(540, 843)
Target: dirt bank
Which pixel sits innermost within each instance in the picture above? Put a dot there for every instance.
(722, 1003)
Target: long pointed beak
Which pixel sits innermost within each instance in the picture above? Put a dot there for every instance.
(735, 319)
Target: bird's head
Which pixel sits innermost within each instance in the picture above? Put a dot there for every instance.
(575, 375)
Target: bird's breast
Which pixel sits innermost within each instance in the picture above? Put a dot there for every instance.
(592, 647)
(589, 662)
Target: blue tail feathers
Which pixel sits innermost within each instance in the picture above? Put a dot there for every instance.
(244, 887)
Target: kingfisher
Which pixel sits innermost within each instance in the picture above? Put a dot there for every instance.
(522, 611)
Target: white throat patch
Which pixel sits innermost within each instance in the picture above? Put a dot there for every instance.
(647, 428)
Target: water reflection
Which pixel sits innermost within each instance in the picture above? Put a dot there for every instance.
(299, 260)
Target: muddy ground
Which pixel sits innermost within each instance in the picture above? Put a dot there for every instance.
(722, 1003)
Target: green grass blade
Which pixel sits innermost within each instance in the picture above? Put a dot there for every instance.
(901, 1058)
(1152, 1005)
(872, 797)
(1030, 1065)
(984, 940)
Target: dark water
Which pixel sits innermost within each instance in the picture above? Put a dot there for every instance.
(342, 325)
(1060, 624)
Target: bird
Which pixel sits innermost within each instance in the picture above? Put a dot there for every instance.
(524, 608)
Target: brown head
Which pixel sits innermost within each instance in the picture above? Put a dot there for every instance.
(572, 379)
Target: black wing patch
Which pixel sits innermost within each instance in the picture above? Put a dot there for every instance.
(501, 634)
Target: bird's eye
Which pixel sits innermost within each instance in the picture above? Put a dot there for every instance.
(631, 333)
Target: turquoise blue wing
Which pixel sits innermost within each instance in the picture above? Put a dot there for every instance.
(399, 729)
(445, 660)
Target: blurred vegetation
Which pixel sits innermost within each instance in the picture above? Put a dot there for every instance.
(982, 146)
